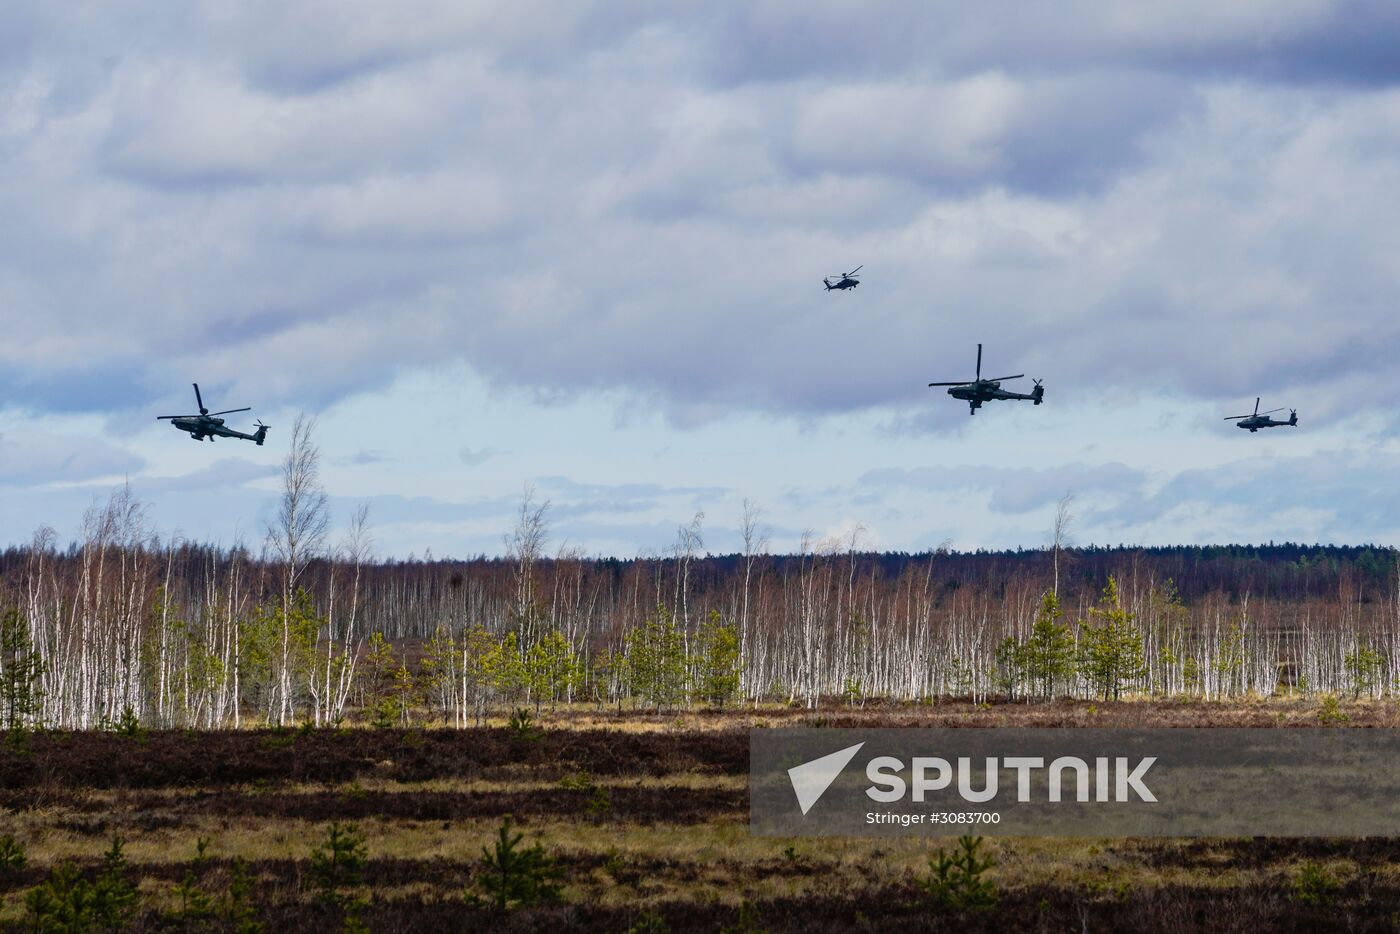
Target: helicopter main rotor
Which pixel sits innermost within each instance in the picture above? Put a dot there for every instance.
(203, 412)
(1256, 413)
(978, 378)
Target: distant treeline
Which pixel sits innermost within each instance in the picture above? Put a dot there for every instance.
(1288, 572)
(121, 623)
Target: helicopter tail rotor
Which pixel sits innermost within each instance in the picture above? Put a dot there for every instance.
(261, 434)
(1293, 417)
(1038, 393)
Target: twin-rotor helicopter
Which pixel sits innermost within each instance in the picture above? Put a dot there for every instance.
(845, 280)
(977, 390)
(208, 424)
(1253, 423)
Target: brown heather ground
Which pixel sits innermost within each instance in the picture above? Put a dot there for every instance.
(669, 847)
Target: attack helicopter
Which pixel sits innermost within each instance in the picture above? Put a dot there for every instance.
(977, 391)
(845, 280)
(1262, 420)
(208, 424)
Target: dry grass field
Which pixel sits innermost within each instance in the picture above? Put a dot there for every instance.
(643, 818)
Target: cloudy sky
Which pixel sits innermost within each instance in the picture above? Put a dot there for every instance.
(579, 246)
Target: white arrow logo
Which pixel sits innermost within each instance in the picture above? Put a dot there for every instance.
(810, 780)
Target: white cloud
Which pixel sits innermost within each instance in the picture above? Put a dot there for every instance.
(41, 458)
(623, 202)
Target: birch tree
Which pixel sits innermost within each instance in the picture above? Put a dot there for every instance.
(294, 537)
(1060, 536)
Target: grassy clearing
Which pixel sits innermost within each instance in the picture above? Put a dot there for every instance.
(640, 818)
(1248, 710)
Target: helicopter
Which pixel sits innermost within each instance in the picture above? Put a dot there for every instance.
(845, 280)
(977, 391)
(209, 425)
(1262, 420)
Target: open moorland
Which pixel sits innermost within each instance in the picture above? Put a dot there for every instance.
(641, 823)
(199, 738)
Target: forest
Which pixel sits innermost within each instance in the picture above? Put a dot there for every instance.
(303, 735)
(123, 624)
